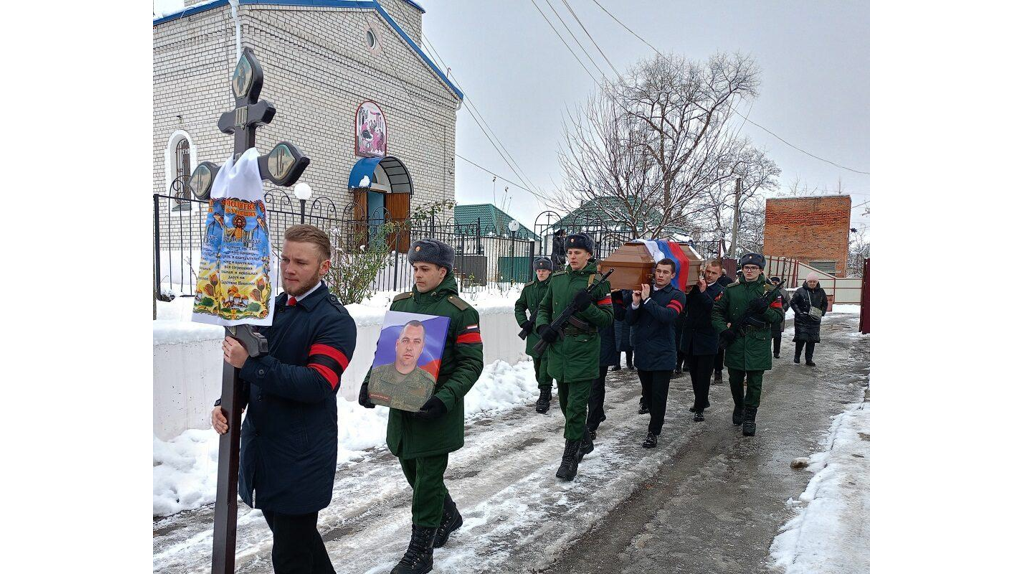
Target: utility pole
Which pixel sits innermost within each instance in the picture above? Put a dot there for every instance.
(735, 219)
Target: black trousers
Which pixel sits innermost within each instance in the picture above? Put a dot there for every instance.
(655, 390)
(298, 548)
(800, 348)
(776, 342)
(700, 375)
(629, 358)
(595, 406)
(720, 361)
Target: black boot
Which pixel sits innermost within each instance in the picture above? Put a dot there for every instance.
(616, 368)
(586, 445)
(796, 359)
(737, 415)
(698, 416)
(718, 378)
(567, 470)
(643, 407)
(811, 363)
(419, 558)
(651, 441)
(451, 521)
(749, 427)
(544, 402)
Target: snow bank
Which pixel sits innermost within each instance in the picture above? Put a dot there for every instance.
(830, 533)
(185, 467)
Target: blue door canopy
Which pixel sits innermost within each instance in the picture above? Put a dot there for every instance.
(398, 176)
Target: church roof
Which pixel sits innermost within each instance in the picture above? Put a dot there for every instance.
(364, 4)
(492, 220)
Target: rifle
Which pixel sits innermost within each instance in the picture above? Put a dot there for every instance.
(747, 317)
(566, 314)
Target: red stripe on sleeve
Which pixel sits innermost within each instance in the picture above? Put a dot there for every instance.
(673, 304)
(320, 349)
(469, 338)
(777, 304)
(606, 301)
(331, 376)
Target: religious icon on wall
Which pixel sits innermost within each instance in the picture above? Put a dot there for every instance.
(371, 131)
(407, 360)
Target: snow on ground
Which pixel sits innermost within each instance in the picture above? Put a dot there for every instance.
(838, 309)
(831, 532)
(185, 467)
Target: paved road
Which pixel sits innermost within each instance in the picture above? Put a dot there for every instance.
(705, 500)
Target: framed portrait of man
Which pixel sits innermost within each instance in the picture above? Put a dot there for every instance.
(407, 360)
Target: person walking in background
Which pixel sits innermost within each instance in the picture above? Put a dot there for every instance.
(809, 305)
(558, 250)
(779, 326)
(723, 280)
(529, 300)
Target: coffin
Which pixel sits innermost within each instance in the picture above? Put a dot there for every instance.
(634, 266)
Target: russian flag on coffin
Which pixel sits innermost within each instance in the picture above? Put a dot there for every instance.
(665, 249)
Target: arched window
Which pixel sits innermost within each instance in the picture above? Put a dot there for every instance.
(182, 170)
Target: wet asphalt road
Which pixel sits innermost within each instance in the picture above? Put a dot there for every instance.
(717, 504)
(705, 500)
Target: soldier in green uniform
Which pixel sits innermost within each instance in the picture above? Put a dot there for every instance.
(422, 440)
(748, 352)
(530, 300)
(574, 359)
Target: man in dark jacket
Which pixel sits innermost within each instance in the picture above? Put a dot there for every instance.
(609, 357)
(779, 326)
(654, 312)
(529, 300)
(743, 316)
(289, 442)
(558, 250)
(700, 340)
(723, 280)
(422, 440)
(809, 305)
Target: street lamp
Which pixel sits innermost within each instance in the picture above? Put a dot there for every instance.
(303, 192)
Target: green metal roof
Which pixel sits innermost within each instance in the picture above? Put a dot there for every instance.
(492, 220)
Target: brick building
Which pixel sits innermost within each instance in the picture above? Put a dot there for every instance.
(815, 230)
(322, 59)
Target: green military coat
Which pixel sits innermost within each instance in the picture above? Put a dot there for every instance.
(751, 351)
(461, 364)
(577, 356)
(529, 300)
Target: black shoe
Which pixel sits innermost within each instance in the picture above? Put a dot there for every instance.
(693, 409)
(677, 373)
(811, 363)
(451, 521)
(776, 355)
(544, 402)
(630, 366)
(651, 441)
(616, 368)
(686, 368)
(644, 410)
(698, 417)
(748, 421)
(796, 359)
(419, 558)
(737, 415)
(718, 378)
(586, 445)
(567, 470)
(593, 434)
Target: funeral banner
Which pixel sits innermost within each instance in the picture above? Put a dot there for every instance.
(235, 271)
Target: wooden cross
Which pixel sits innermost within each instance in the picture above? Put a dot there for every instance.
(283, 166)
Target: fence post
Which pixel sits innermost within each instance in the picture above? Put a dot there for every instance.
(156, 251)
(865, 299)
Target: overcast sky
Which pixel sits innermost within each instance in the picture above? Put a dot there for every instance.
(814, 58)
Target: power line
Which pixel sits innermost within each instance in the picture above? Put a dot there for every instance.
(521, 174)
(555, 30)
(773, 134)
(627, 28)
(505, 179)
(587, 32)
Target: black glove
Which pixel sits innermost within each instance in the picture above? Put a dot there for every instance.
(582, 300)
(726, 338)
(617, 297)
(547, 333)
(433, 409)
(759, 305)
(364, 396)
(528, 326)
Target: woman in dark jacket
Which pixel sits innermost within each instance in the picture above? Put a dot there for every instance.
(778, 328)
(809, 305)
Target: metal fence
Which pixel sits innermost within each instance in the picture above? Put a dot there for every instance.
(483, 256)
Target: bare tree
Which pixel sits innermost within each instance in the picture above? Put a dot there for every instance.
(659, 143)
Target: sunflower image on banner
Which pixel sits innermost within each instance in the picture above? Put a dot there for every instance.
(235, 270)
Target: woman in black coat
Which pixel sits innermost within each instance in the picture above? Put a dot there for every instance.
(809, 305)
